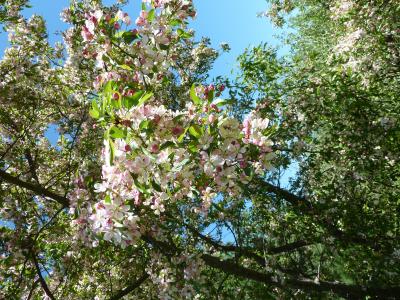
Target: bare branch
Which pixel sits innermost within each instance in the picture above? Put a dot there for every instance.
(304, 284)
(39, 190)
(130, 288)
(41, 279)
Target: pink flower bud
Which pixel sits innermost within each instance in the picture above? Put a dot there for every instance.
(156, 119)
(192, 14)
(177, 130)
(86, 34)
(243, 164)
(154, 148)
(212, 118)
(126, 123)
(140, 21)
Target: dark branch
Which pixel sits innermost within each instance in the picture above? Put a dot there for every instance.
(288, 247)
(288, 196)
(39, 190)
(346, 290)
(32, 289)
(32, 165)
(232, 268)
(305, 206)
(246, 251)
(41, 279)
(130, 288)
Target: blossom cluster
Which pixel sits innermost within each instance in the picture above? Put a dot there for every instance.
(148, 50)
(341, 8)
(153, 156)
(161, 156)
(164, 274)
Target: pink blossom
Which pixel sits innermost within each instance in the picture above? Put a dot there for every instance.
(86, 34)
(142, 19)
(154, 148)
(177, 130)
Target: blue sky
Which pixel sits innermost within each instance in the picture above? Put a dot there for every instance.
(232, 21)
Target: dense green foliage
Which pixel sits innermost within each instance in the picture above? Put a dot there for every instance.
(337, 98)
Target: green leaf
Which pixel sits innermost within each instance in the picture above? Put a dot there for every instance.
(119, 34)
(108, 88)
(166, 145)
(143, 6)
(151, 15)
(182, 136)
(112, 151)
(116, 103)
(210, 96)
(171, 156)
(270, 130)
(129, 36)
(147, 153)
(177, 118)
(145, 124)
(129, 102)
(222, 102)
(140, 187)
(196, 100)
(175, 22)
(94, 114)
(126, 67)
(196, 131)
(107, 199)
(193, 146)
(144, 98)
(156, 186)
(117, 133)
(183, 34)
(95, 110)
(164, 47)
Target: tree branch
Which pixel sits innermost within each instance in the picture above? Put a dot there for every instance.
(32, 289)
(304, 284)
(39, 190)
(41, 279)
(248, 252)
(32, 165)
(288, 247)
(291, 198)
(130, 288)
(230, 267)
